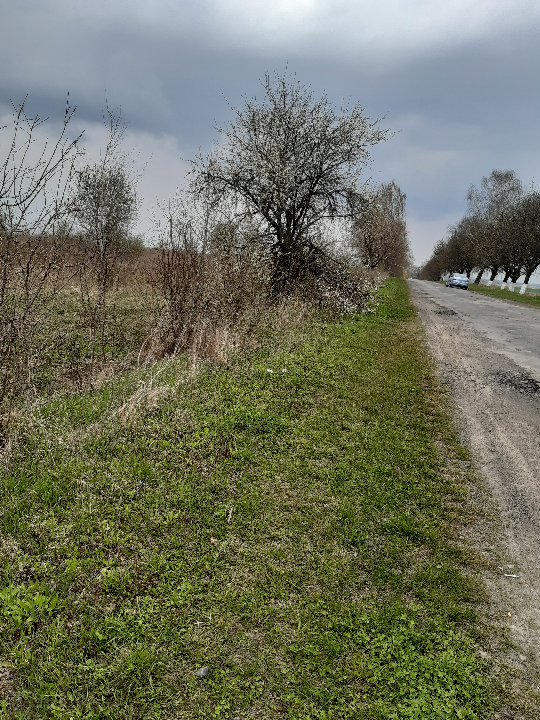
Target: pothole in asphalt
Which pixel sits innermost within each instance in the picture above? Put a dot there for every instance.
(519, 382)
(445, 311)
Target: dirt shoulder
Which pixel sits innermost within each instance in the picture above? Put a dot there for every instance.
(497, 406)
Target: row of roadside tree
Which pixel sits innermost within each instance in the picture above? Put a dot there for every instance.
(499, 234)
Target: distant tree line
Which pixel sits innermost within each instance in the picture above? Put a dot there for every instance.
(500, 233)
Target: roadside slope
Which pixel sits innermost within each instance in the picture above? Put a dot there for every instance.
(532, 300)
(291, 522)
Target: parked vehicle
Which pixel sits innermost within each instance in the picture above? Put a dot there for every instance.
(458, 280)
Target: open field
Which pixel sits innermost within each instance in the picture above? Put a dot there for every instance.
(529, 298)
(73, 350)
(294, 521)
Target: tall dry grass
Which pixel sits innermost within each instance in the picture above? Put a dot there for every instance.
(205, 293)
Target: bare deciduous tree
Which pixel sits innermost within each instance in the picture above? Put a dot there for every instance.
(497, 194)
(435, 267)
(462, 248)
(106, 208)
(501, 232)
(380, 233)
(35, 186)
(529, 213)
(519, 228)
(293, 162)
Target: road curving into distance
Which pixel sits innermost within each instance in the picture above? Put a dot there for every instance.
(488, 353)
(512, 326)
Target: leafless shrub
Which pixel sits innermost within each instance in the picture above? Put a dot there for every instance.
(35, 232)
(106, 208)
(211, 275)
(333, 279)
(345, 288)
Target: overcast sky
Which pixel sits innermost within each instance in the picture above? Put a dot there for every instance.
(457, 81)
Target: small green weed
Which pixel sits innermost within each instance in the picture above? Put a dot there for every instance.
(22, 607)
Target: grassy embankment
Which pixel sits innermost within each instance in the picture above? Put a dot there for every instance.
(289, 521)
(527, 299)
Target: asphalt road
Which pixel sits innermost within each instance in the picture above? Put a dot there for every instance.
(514, 328)
(488, 355)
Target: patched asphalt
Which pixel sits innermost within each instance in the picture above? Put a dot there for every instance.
(513, 327)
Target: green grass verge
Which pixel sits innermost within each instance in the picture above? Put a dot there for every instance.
(527, 299)
(289, 522)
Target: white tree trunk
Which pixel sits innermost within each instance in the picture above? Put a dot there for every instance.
(489, 283)
(503, 285)
(511, 286)
(523, 289)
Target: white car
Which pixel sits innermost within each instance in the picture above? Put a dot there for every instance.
(458, 280)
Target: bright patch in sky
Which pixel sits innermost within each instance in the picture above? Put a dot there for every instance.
(340, 26)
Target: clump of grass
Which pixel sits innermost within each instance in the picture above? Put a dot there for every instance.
(287, 521)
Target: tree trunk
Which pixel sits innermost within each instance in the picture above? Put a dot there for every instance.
(506, 276)
(528, 273)
(529, 270)
(494, 273)
(479, 276)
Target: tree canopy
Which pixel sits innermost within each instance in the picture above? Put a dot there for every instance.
(499, 233)
(294, 162)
